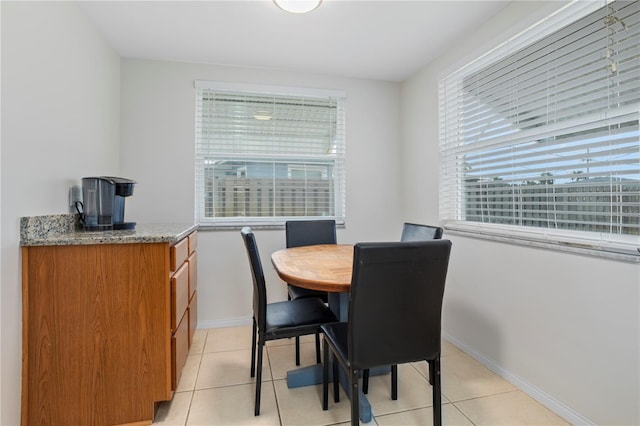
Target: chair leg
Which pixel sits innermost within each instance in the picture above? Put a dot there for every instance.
(336, 380)
(259, 376)
(436, 390)
(394, 382)
(318, 360)
(253, 348)
(297, 350)
(365, 381)
(430, 373)
(355, 398)
(325, 376)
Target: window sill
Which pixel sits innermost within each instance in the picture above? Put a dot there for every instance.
(254, 225)
(621, 252)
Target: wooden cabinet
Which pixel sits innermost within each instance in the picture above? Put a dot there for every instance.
(106, 330)
(183, 303)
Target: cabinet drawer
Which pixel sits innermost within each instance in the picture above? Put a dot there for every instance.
(193, 274)
(179, 294)
(178, 254)
(179, 350)
(193, 242)
(193, 317)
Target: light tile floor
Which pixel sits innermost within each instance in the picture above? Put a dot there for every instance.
(215, 389)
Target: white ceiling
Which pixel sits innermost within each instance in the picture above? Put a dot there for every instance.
(382, 40)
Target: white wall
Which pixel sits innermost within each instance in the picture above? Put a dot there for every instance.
(60, 114)
(157, 150)
(565, 328)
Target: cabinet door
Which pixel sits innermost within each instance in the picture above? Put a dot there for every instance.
(193, 242)
(193, 274)
(179, 254)
(179, 295)
(179, 350)
(193, 317)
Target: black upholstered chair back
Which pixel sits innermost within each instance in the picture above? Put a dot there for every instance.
(310, 232)
(416, 232)
(396, 302)
(259, 284)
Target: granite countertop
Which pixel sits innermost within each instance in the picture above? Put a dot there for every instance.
(61, 230)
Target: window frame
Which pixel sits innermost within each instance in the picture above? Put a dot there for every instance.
(625, 248)
(338, 155)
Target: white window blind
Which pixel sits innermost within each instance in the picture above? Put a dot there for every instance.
(268, 154)
(540, 138)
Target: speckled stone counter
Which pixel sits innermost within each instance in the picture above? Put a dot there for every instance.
(64, 229)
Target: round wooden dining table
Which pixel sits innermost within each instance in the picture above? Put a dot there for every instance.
(324, 267)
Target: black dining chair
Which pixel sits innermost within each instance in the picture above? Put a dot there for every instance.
(307, 233)
(417, 232)
(410, 232)
(395, 312)
(278, 320)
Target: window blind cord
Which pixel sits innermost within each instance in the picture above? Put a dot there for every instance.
(609, 22)
(612, 68)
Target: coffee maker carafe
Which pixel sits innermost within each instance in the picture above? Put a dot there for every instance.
(103, 203)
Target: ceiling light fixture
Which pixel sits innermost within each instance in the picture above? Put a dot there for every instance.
(297, 6)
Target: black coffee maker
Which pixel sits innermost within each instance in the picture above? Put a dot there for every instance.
(103, 203)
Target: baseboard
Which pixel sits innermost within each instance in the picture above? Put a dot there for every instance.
(235, 322)
(536, 393)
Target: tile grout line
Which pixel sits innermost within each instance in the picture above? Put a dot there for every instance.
(488, 395)
(462, 413)
(193, 391)
(273, 385)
